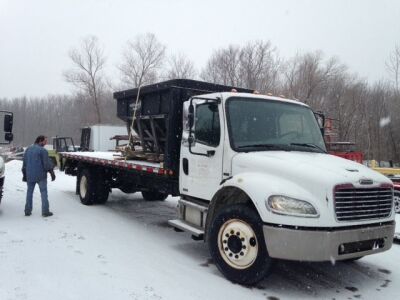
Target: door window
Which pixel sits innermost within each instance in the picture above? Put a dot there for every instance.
(207, 127)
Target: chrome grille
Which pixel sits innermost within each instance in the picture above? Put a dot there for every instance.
(352, 204)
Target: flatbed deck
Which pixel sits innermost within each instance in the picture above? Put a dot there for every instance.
(115, 160)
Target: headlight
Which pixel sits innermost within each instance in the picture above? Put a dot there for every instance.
(289, 206)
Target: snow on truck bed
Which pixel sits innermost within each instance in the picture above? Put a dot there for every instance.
(112, 155)
(113, 158)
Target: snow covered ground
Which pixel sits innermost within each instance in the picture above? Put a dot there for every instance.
(125, 250)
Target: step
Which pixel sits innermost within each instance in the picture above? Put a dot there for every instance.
(182, 225)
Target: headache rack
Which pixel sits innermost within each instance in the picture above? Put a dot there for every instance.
(158, 118)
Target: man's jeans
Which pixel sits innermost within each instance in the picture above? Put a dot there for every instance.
(43, 193)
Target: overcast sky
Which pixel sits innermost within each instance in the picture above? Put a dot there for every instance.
(35, 36)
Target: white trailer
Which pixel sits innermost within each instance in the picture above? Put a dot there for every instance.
(98, 137)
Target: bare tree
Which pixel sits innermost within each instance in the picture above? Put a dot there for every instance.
(307, 75)
(259, 66)
(223, 67)
(87, 74)
(179, 66)
(393, 67)
(141, 60)
(255, 65)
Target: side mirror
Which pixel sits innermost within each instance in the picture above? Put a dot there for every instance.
(8, 137)
(191, 120)
(8, 123)
(320, 117)
(191, 116)
(6, 119)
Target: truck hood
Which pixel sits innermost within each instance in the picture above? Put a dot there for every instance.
(307, 168)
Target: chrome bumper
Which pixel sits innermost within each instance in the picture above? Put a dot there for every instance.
(307, 245)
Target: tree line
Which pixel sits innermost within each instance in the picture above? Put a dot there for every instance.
(367, 114)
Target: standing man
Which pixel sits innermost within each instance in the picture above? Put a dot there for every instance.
(34, 169)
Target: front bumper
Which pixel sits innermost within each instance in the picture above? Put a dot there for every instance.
(339, 244)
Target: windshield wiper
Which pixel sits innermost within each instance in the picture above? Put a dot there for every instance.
(309, 145)
(266, 146)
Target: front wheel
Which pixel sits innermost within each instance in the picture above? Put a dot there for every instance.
(237, 246)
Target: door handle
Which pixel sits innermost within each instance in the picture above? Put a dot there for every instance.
(210, 153)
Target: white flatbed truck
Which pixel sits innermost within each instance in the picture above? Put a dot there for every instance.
(253, 177)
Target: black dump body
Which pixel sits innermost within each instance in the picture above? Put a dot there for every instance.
(158, 121)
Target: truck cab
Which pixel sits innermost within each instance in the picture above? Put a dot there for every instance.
(257, 182)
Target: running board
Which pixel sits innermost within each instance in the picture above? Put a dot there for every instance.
(197, 234)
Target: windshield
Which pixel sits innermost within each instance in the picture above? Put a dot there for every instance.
(64, 145)
(261, 124)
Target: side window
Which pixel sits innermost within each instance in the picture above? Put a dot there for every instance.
(207, 129)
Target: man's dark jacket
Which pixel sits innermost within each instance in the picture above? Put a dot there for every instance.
(36, 163)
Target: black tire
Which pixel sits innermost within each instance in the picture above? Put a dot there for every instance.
(92, 187)
(250, 261)
(154, 196)
(53, 161)
(102, 189)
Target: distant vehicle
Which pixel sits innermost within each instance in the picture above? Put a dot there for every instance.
(396, 198)
(17, 153)
(100, 137)
(253, 176)
(6, 137)
(61, 144)
(394, 175)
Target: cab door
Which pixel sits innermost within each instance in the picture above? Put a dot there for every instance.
(202, 150)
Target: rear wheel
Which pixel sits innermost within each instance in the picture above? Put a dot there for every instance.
(237, 246)
(154, 196)
(85, 187)
(92, 187)
(102, 189)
